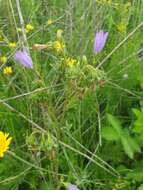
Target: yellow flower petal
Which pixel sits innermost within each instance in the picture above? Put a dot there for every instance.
(7, 71)
(71, 62)
(5, 141)
(12, 44)
(59, 46)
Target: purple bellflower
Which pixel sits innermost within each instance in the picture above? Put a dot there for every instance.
(72, 187)
(100, 40)
(24, 58)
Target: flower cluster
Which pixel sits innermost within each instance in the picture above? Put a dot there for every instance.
(70, 62)
(59, 46)
(121, 27)
(28, 28)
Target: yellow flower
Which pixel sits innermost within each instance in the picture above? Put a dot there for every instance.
(59, 33)
(7, 70)
(5, 141)
(29, 28)
(71, 62)
(3, 59)
(121, 27)
(49, 22)
(12, 44)
(59, 46)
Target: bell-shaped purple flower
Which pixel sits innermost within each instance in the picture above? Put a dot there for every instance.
(72, 187)
(24, 58)
(100, 40)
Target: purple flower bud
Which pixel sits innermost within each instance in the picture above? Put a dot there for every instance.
(100, 40)
(24, 58)
(72, 187)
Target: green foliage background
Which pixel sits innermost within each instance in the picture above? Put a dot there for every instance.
(84, 125)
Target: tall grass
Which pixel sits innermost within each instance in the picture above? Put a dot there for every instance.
(56, 116)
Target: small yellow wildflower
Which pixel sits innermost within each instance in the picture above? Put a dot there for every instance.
(121, 27)
(71, 62)
(59, 33)
(59, 46)
(7, 70)
(12, 44)
(29, 28)
(3, 59)
(49, 22)
(5, 141)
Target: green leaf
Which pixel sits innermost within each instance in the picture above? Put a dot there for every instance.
(133, 144)
(136, 175)
(127, 148)
(109, 134)
(129, 144)
(136, 112)
(45, 186)
(115, 124)
(138, 124)
(140, 187)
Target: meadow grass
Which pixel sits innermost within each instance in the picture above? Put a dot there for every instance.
(76, 117)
